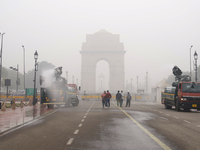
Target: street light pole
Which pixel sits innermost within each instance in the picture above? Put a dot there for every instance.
(137, 84)
(24, 68)
(17, 76)
(190, 63)
(1, 58)
(195, 58)
(131, 85)
(35, 57)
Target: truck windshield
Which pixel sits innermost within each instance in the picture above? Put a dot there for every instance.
(191, 87)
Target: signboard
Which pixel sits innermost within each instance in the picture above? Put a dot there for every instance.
(30, 91)
(7, 82)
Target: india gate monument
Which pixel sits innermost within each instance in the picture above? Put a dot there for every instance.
(102, 45)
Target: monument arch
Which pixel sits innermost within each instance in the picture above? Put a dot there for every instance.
(102, 45)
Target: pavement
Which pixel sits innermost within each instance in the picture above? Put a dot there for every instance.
(12, 118)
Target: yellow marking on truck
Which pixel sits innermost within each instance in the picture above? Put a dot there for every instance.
(70, 92)
(168, 94)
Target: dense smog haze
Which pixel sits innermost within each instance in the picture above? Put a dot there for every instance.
(156, 35)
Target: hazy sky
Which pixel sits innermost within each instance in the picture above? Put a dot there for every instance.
(157, 34)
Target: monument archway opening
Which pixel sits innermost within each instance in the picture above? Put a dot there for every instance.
(102, 45)
(102, 76)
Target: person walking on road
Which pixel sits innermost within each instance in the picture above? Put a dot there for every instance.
(118, 98)
(108, 97)
(122, 98)
(128, 99)
(103, 96)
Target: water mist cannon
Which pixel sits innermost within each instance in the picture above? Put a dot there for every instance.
(178, 75)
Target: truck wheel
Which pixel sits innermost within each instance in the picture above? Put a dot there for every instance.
(167, 106)
(177, 106)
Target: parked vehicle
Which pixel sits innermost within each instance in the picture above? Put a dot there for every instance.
(184, 93)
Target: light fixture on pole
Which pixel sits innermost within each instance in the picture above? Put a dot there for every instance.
(195, 58)
(36, 68)
(18, 80)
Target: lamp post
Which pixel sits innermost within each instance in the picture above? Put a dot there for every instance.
(195, 58)
(190, 63)
(137, 84)
(131, 85)
(24, 68)
(35, 57)
(1, 58)
(16, 69)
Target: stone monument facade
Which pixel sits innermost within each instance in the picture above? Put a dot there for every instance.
(102, 45)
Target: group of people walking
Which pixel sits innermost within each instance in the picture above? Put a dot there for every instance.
(106, 98)
(119, 97)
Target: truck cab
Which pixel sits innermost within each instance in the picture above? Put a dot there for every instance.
(188, 95)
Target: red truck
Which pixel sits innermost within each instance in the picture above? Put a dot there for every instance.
(186, 94)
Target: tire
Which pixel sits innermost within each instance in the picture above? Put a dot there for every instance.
(177, 105)
(167, 106)
(76, 104)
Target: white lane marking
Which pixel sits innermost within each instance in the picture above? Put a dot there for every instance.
(175, 117)
(186, 121)
(84, 117)
(82, 120)
(160, 112)
(70, 141)
(86, 114)
(80, 125)
(167, 114)
(27, 123)
(198, 126)
(76, 131)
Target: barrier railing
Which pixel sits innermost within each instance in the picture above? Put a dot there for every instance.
(15, 101)
(135, 97)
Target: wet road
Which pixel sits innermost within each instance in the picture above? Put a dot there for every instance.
(89, 126)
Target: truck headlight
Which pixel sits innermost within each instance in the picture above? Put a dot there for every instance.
(183, 99)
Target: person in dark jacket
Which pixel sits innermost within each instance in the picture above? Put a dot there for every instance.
(118, 98)
(128, 99)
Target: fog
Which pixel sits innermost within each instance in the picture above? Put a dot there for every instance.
(156, 34)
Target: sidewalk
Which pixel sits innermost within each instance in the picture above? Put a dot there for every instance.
(11, 118)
